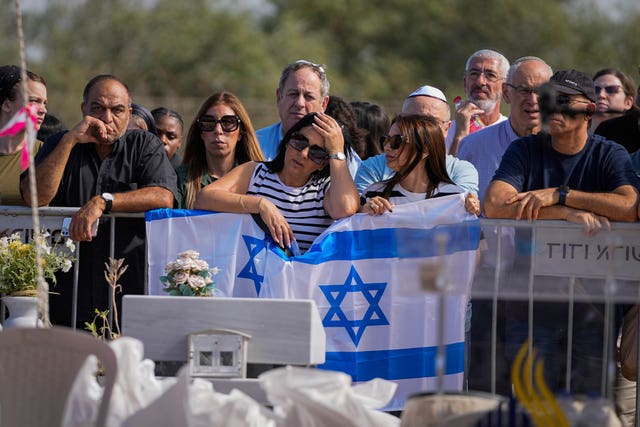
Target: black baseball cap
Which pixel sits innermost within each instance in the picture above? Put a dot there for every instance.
(574, 82)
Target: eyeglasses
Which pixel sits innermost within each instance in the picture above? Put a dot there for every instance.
(316, 154)
(491, 76)
(394, 141)
(564, 101)
(610, 90)
(208, 123)
(524, 91)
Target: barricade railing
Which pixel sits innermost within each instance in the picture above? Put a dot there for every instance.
(519, 260)
(17, 219)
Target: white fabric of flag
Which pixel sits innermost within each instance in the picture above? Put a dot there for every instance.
(365, 274)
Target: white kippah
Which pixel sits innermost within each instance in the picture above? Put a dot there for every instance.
(429, 91)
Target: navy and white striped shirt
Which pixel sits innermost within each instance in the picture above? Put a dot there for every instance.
(303, 207)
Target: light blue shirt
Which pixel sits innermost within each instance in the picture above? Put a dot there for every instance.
(374, 169)
(484, 149)
(270, 137)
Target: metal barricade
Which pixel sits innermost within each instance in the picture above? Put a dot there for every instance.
(541, 261)
(18, 219)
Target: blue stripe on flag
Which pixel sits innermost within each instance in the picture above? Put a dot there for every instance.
(395, 364)
(392, 243)
(157, 214)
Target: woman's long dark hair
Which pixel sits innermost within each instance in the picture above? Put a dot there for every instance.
(277, 163)
(423, 136)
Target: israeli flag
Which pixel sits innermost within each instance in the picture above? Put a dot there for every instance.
(377, 282)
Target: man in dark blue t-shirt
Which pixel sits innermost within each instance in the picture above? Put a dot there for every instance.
(567, 174)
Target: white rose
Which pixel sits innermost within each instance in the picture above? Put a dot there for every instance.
(66, 265)
(189, 254)
(180, 278)
(196, 281)
(170, 266)
(200, 264)
(184, 264)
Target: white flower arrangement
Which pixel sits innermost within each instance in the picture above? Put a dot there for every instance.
(189, 276)
(18, 262)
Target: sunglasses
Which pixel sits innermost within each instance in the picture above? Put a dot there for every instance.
(316, 154)
(610, 90)
(208, 123)
(564, 101)
(394, 141)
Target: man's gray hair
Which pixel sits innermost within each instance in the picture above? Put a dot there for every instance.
(302, 63)
(503, 63)
(518, 62)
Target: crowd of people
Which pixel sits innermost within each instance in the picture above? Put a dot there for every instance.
(568, 150)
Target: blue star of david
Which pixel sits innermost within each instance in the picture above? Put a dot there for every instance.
(249, 271)
(336, 318)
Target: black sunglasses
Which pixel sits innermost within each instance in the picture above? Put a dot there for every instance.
(564, 101)
(316, 154)
(610, 90)
(394, 141)
(208, 123)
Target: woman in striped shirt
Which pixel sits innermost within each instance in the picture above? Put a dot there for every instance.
(297, 194)
(415, 150)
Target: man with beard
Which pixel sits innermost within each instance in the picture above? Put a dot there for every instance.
(101, 167)
(484, 149)
(484, 73)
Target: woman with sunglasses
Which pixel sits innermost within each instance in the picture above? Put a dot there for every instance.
(415, 150)
(220, 138)
(615, 92)
(300, 192)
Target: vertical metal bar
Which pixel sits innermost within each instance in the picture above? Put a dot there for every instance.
(494, 310)
(636, 421)
(112, 240)
(74, 297)
(530, 295)
(572, 284)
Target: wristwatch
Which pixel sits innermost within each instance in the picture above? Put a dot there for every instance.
(339, 155)
(563, 190)
(108, 199)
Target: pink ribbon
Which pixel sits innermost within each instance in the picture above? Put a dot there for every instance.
(18, 123)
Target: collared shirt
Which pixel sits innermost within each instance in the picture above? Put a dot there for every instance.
(138, 160)
(374, 169)
(452, 130)
(484, 149)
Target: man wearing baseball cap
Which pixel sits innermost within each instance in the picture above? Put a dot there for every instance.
(564, 174)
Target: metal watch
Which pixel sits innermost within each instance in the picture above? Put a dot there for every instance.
(339, 155)
(108, 199)
(563, 190)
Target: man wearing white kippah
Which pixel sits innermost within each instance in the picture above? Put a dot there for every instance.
(428, 101)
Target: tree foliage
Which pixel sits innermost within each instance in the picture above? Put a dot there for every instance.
(177, 53)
